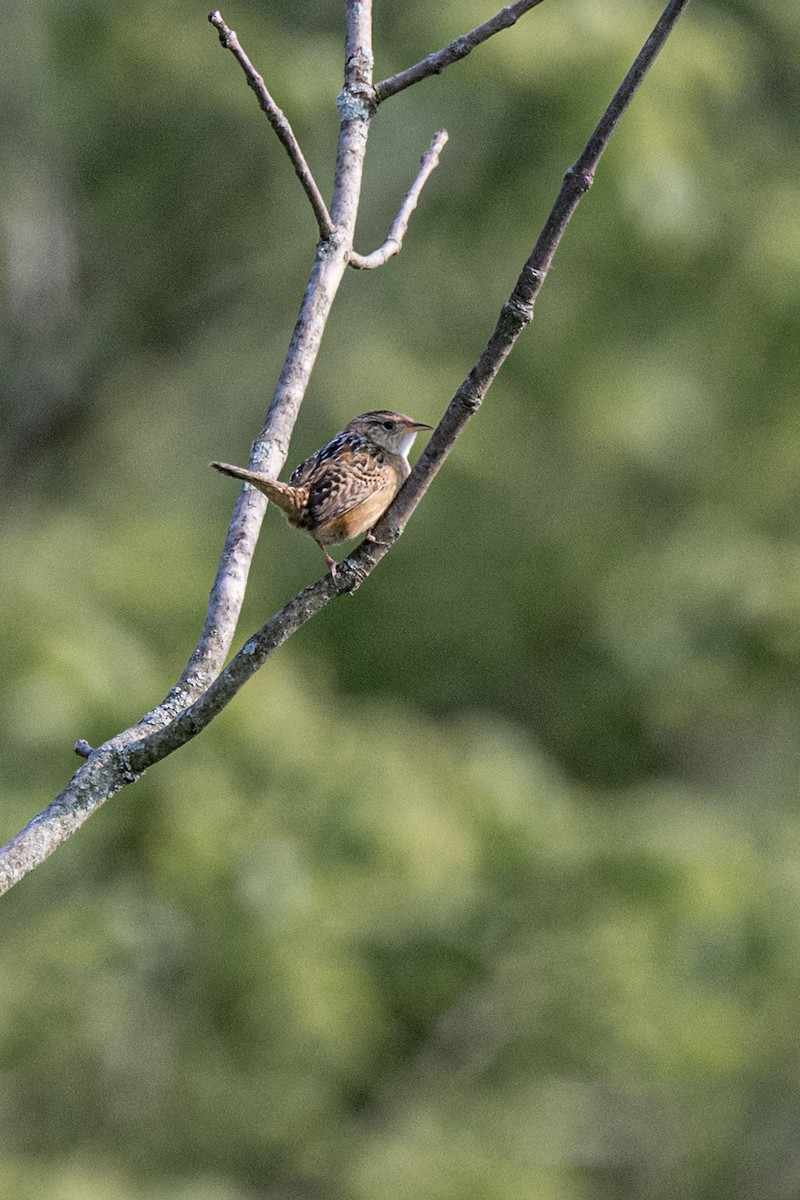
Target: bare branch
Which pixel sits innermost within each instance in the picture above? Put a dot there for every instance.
(428, 163)
(272, 445)
(279, 123)
(435, 63)
(124, 758)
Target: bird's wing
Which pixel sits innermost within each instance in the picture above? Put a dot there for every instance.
(303, 473)
(346, 479)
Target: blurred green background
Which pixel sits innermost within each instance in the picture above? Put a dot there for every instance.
(488, 888)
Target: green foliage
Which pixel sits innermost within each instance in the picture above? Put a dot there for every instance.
(486, 887)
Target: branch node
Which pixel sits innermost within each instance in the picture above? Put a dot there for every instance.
(469, 397)
(356, 102)
(519, 309)
(83, 749)
(581, 177)
(328, 247)
(127, 773)
(349, 576)
(534, 276)
(226, 35)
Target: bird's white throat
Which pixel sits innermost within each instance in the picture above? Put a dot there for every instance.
(406, 444)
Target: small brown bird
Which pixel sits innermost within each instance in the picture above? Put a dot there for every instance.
(345, 487)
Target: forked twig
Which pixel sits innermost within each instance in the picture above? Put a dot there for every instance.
(393, 244)
(435, 63)
(279, 123)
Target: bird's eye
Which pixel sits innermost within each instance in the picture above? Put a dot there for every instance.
(388, 424)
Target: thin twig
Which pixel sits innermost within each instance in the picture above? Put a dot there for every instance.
(124, 758)
(279, 123)
(428, 163)
(458, 49)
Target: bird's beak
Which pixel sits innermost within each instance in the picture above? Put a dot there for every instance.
(415, 425)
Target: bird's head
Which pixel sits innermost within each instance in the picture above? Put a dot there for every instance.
(392, 431)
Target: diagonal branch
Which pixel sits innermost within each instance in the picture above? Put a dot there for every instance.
(435, 63)
(279, 123)
(124, 758)
(393, 244)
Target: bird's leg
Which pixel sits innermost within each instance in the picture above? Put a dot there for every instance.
(332, 564)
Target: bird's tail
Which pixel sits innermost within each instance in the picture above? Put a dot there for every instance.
(289, 499)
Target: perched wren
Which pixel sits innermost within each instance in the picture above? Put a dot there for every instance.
(343, 489)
